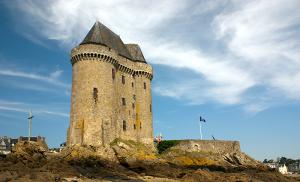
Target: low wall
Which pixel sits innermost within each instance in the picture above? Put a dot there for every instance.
(213, 146)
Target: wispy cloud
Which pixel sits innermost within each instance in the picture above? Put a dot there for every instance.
(52, 78)
(246, 44)
(25, 107)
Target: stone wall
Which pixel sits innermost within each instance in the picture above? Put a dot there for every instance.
(97, 111)
(210, 146)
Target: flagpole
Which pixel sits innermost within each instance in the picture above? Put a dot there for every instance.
(200, 125)
(29, 125)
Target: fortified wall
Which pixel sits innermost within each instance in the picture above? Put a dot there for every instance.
(209, 146)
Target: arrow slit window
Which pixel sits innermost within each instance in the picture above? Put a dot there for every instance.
(113, 72)
(124, 125)
(123, 101)
(123, 79)
(95, 94)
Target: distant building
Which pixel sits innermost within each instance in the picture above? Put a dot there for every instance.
(294, 167)
(158, 138)
(7, 143)
(283, 169)
(273, 165)
(57, 150)
(34, 139)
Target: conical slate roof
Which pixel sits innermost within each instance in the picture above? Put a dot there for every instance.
(136, 52)
(100, 34)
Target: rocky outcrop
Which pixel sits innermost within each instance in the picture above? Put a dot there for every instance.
(129, 161)
(226, 154)
(28, 153)
(79, 152)
(138, 163)
(132, 154)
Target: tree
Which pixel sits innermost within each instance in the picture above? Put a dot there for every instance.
(271, 161)
(286, 161)
(282, 160)
(265, 161)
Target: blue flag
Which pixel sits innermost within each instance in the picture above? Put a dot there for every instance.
(202, 119)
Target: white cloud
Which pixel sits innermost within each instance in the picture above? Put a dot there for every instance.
(229, 81)
(25, 107)
(255, 107)
(68, 21)
(264, 35)
(262, 29)
(288, 83)
(258, 41)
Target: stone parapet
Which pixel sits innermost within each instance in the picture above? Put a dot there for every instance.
(209, 146)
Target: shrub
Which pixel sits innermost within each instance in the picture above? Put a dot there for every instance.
(166, 144)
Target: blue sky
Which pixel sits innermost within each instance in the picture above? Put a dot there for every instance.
(236, 63)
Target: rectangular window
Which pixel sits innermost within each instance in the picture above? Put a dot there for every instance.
(134, 127)
(132, 85)
(113, 73)
(132, 105)
(144, 85)
(150, 107)
(123, 101)
(140, 125)
(123, 79)
(95, 94)
(124, 125)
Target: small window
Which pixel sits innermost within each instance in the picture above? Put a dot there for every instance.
(133, 105)
(123, 101)
(123, 79)
(144, 85)
(134, 126)
(150, 107)
(113, 73)
(95, 94)
(132, 84)
(124, 125)
(129, 112)
(140, 125)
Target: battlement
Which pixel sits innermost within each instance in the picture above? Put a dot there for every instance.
(106, 54)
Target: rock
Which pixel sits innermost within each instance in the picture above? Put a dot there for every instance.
(84, 163)
(129, 153)
(78, 152)
(28, 153)
(28, 148)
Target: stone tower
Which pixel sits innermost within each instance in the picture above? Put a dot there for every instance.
(111, 91)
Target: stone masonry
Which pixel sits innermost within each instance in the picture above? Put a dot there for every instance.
(111, 91)
(209, 146)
